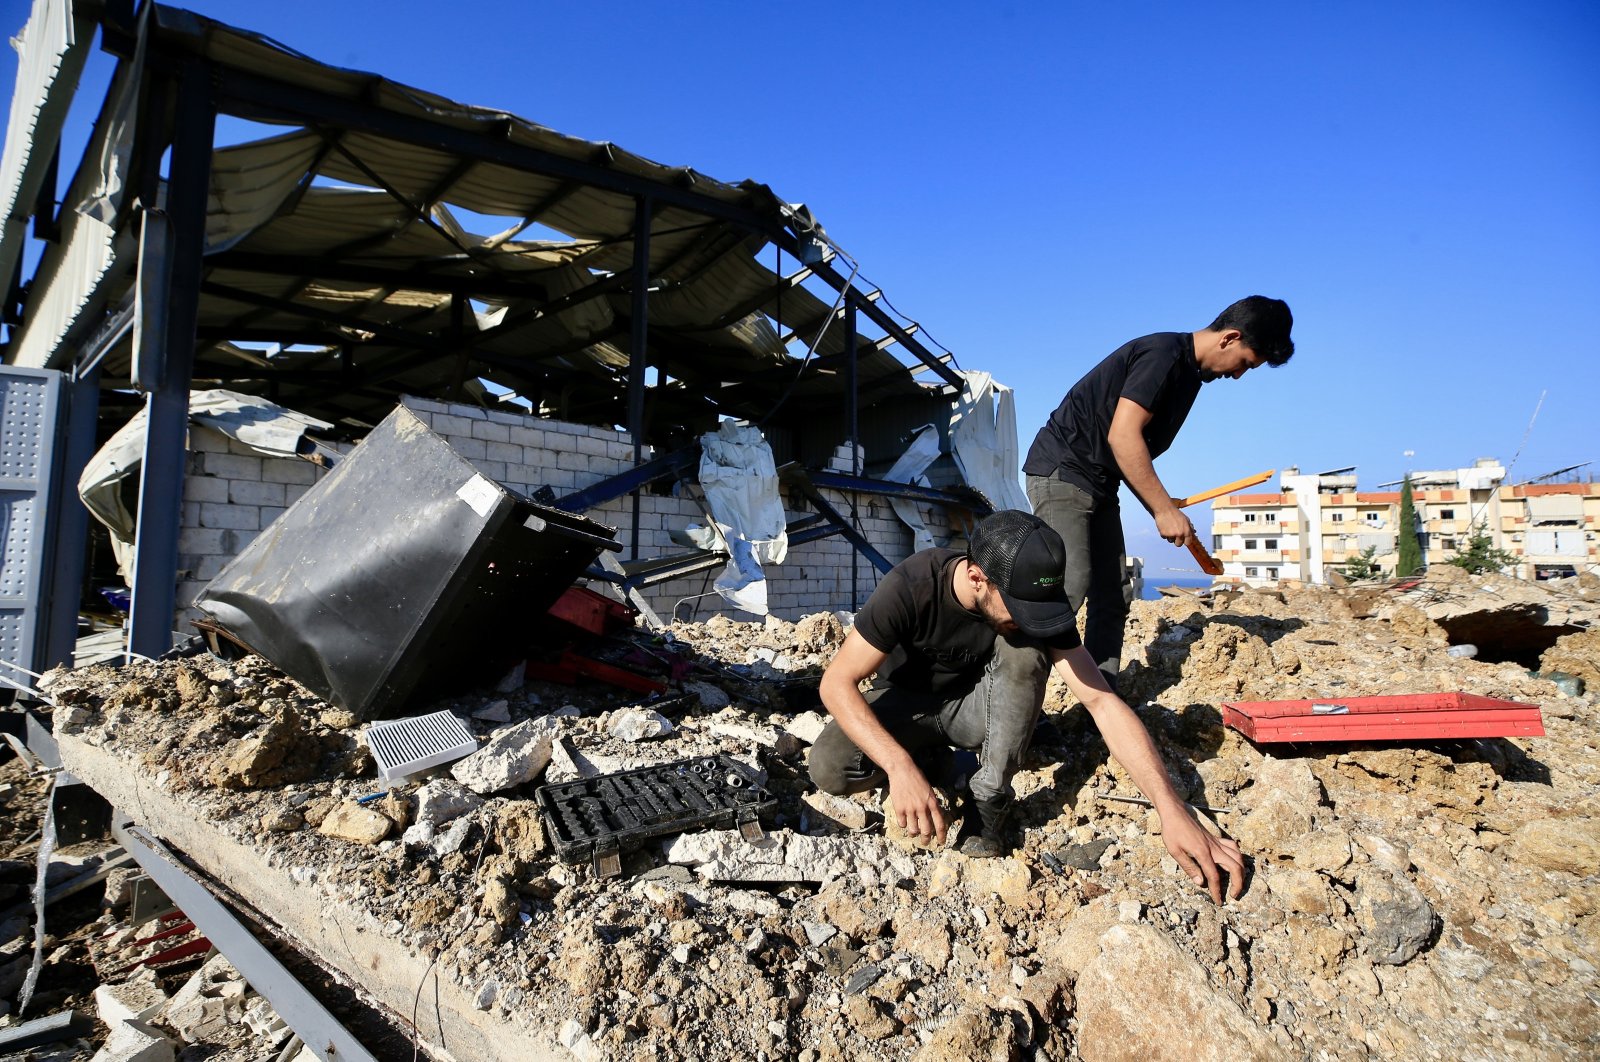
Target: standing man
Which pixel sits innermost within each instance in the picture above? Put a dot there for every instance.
(1110, 428)
(961, 644)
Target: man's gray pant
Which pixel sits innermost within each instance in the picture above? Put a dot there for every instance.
(1095, 571)
(996, 719)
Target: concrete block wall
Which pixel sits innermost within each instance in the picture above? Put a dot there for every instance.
(231, 493)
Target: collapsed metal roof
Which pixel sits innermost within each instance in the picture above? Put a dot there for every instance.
(339, 268)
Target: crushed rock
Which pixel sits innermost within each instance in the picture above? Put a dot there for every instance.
(1402, 901)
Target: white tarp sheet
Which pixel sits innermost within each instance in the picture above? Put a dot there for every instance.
(983, 441)
(740, 481)
(922, 452)
(267, 428)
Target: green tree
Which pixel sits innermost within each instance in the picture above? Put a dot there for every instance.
(1363, 566)
(1480, 554)
(1410, 562)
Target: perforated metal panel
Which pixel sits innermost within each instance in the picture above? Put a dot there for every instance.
(29, 406)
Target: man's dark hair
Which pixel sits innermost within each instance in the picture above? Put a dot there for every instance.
(1264, 325)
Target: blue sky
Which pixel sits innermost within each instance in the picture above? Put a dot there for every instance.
(1037, 183)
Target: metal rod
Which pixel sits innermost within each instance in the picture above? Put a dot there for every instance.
(298, 1008)
(851, 384)
(639, 360)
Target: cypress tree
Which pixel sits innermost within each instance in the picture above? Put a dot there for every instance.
(1410, 560)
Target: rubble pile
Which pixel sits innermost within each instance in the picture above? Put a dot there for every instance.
(1403, 901)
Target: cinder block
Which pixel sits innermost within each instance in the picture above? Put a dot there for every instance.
(270, 513)
(461, 409)
(561, 480)
(589, 446)
(420, 405)
(233, 466)
(245, 492)
(208, 568)
(289, 470)
(451, 424)
(620, 451)
(471, 449)
(237, 517)
(189, 516)
(524, 436)
(504, 452)
(497, 416)
(495, 470)
(205, 489)
(207, 440)
(491, 432)
(194, 540)
(293, 493)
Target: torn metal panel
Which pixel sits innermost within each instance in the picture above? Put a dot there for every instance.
(265, 427)
(403, 574)
(983, 441)
(51, 50)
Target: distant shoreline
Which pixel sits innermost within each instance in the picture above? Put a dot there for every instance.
(1192, 582)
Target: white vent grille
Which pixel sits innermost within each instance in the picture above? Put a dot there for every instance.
(402, 747)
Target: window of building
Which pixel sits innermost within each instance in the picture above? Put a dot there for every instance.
(1249, 543)
(1272, 543)
(1447, 514)
(1447, 543)
(1251, 573)
(1272, 518)
(1249, 518)
(1337, 518)
(1272, 573)
(1374, 518)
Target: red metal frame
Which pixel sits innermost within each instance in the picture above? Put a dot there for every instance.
(1398, 717)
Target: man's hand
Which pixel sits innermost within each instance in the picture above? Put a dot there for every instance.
(1202, 856)
(916, 805)
(1174, 526)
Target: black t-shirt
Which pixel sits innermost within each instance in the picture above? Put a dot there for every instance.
(934, 644)
(1157, 371)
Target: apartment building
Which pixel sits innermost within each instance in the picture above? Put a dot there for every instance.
(1316, 522)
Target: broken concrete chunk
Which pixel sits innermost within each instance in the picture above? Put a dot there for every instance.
(494, 712)
(1176, 1014)
(639, 724)
(1396, 919)
(807, 726)
(840, 811)
(134, 1041)
(350, 821)
(513, 756)
(712, 698)
(1570, 845)
(723, 855)
(138, 999)
(442, 800)
(203, 1007)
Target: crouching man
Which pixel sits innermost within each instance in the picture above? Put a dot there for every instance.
(961, 645)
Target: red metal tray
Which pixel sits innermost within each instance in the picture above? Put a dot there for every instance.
(1398, 717)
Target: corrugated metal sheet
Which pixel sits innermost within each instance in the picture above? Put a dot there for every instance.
(50, 56)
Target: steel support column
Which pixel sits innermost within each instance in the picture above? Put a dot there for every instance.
(167, 406)
(70, 536)
(853, 404)
(639, 360)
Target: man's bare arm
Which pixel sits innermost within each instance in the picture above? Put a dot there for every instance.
(1126, 437)
(1199, 854)
(915, 805)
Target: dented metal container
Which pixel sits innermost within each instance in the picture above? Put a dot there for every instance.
(404, 574)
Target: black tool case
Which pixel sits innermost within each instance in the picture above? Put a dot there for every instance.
(597, 819)
(404, 575)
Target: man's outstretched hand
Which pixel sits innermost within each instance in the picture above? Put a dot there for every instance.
(916, 806)
(1204, 857)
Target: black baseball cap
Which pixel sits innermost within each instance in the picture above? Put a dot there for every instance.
(1024, 559)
